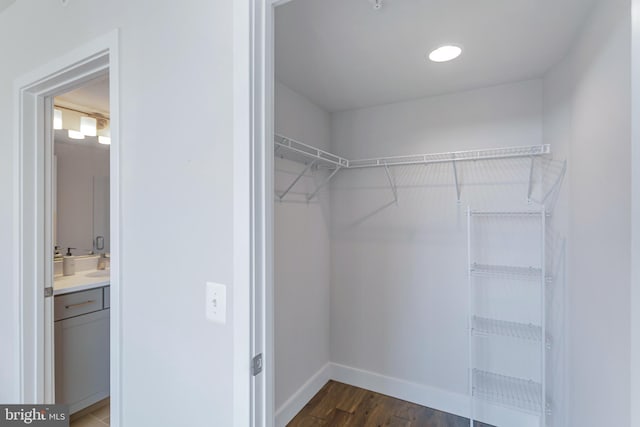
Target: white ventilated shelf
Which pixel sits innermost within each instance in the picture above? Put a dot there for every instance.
(508, 271)
(483, 327)
(303, 153)
(509, 391)
(524, 214)
(455, 156)
(311, 156)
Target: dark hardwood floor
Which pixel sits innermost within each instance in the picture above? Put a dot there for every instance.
(342, 405)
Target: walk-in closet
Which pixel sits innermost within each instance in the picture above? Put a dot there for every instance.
(421, 205)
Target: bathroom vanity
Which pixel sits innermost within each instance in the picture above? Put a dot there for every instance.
(81, 315)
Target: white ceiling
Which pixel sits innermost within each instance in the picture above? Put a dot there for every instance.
(342, 54)
(5, 4)
(93, 97)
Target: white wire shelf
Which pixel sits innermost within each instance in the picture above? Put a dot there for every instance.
(506, 271)
(314, 157)
(519, 393)
(304, 152)
(297, 151)
(454, 156)
(526, 214)
(484, 327)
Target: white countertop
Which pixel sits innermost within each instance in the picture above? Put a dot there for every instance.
(81, 281)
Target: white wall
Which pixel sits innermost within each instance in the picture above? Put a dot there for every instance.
(77, 165)
(302, 259)
(587, 118)
(176, 71)
(399, 273)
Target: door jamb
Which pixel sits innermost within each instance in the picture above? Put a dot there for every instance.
(32, 92)
(635, 216)
(253, 210)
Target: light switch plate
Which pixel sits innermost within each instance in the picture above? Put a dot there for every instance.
(216, 304)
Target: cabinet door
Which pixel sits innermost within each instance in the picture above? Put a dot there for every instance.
(82, 360)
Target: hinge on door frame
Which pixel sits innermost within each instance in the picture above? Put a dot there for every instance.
(48, 292)
(256, 365)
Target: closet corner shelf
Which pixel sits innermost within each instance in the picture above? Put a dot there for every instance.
(304, 153)
(509, 391)
(484, 327)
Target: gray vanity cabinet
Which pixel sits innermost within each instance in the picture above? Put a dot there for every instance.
(81, 348)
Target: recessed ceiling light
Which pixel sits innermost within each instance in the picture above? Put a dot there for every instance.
(445, 53)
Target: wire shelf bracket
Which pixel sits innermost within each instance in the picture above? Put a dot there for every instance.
(325, 182)
(457, 181)
(295, 181)
(557, 183)
(530, 189)
(392, 184)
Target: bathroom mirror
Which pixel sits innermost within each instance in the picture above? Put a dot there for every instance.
(101, 243)
(81, 195)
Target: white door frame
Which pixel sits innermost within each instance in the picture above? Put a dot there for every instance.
(253, 209)
(635, 214)
(33, 244)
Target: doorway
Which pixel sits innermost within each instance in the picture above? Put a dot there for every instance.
(35, 238)
(81, 263)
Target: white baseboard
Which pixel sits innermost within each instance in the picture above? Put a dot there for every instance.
(431, 397)
(295, 403)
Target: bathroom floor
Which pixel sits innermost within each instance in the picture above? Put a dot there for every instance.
(96, 418)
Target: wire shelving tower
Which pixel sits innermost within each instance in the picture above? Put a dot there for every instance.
(526, 393)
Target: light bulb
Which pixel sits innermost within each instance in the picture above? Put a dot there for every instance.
(74, 134)
(57, 119)
(88, 126)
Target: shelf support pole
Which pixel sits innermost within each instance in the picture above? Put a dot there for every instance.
(392, 184)
(326, 181)
(455, 176)
(295, 181)
(530, 189)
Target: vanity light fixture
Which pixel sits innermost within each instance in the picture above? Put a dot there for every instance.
(57, 119)
(80, 124)
(445, 53)
(74, 134)
(88, 126)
